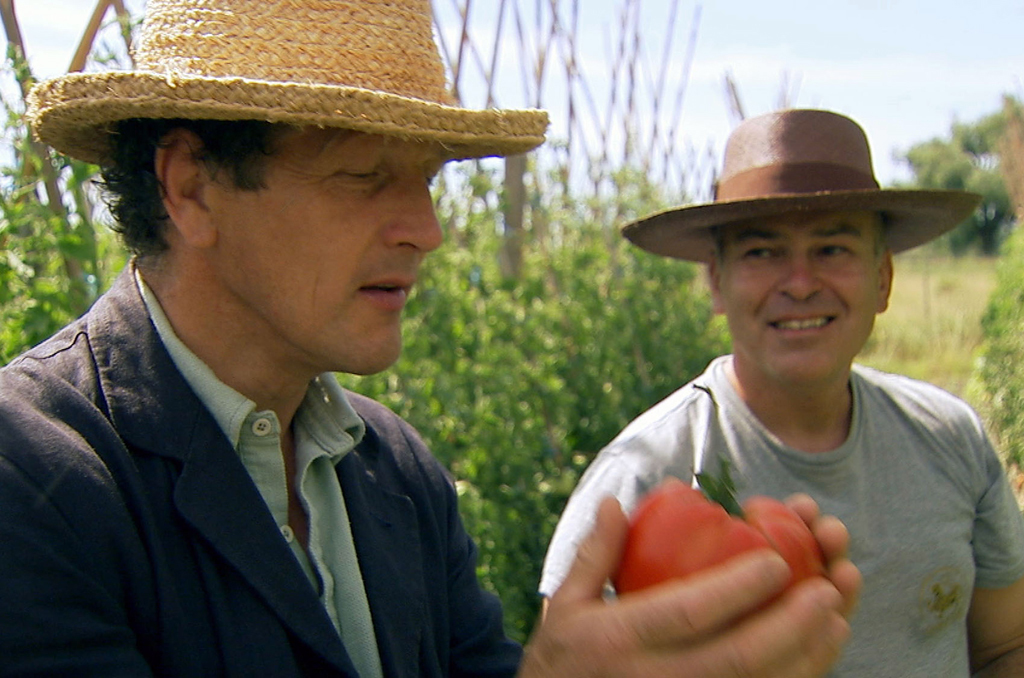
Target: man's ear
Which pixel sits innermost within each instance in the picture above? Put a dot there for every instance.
(714, 274)
(184, 183)
(886, 272)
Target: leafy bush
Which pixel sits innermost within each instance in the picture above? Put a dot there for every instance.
(1001, 371)
(54, 258)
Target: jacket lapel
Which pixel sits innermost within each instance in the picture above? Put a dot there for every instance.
(157, 411)
(217, 497)
(386, 534)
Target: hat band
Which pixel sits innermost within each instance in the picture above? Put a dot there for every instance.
(807, 177)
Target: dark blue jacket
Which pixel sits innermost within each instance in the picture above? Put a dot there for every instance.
(133, 541)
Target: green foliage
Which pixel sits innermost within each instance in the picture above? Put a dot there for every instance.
(516, 384)
(720, 488)
(1001, 370)
(969, 161)
(54, 258)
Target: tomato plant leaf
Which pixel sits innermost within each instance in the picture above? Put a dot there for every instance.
(720, 489)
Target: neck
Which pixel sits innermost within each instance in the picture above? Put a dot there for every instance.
(808, 417)
(225, 343)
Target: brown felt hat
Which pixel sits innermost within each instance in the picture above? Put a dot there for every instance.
(365, 65)
(799, 161)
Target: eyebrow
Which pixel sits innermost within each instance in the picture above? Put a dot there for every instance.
(753, 233)
(841, 228)
(832, 230)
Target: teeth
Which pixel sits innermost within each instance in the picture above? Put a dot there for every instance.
(806, 324)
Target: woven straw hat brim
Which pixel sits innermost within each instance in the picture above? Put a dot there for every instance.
(913, 217)
(74, 113)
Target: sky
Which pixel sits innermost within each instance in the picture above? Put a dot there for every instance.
(906, 70)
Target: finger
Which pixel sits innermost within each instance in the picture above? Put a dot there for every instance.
(805, 507)
(799, 636)
(833, 537)
(687, 610)
(848, 580)
(830, 532)
(813, 632)
(596, 558)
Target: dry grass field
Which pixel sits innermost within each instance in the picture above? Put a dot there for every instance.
(932, 329)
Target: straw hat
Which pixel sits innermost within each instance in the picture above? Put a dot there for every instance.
(799, 161)
(366, 65)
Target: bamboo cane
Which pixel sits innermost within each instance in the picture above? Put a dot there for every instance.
(89, 36)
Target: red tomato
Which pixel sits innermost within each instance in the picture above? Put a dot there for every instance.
(676, 532)
(788, 534)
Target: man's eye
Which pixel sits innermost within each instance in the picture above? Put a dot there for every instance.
(757, 253)
(372, 180)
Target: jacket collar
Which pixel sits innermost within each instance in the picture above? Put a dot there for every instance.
(386, 533)
(156, 412)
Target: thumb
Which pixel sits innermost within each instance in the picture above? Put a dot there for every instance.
(597, 557)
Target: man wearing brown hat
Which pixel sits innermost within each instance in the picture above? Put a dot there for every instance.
(184, 488)
(798, 243)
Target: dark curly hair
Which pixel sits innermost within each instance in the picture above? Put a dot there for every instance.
(133, 193)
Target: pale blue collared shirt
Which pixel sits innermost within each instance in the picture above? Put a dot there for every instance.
(326, 428)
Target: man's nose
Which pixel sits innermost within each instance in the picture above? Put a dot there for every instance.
(800, 278)
(415, 220)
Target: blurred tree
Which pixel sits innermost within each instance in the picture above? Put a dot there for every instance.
(1012, 153)
(969, 160)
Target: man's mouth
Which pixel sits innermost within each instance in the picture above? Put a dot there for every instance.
(391, 284)
(802, 323)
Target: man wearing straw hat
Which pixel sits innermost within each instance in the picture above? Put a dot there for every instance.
(184, 488)
(798, 243)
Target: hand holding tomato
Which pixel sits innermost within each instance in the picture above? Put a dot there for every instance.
(712, 624)
(677, 531)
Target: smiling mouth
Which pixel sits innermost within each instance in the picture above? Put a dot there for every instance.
(802, 323)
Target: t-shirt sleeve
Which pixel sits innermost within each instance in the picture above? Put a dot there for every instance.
(608, 474)
(998, 529)
(626, 470)
(658, 443)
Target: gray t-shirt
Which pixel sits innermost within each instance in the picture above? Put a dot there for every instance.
(930, 513)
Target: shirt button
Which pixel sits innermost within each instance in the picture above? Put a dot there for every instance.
(262, 426)
(287, 533)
